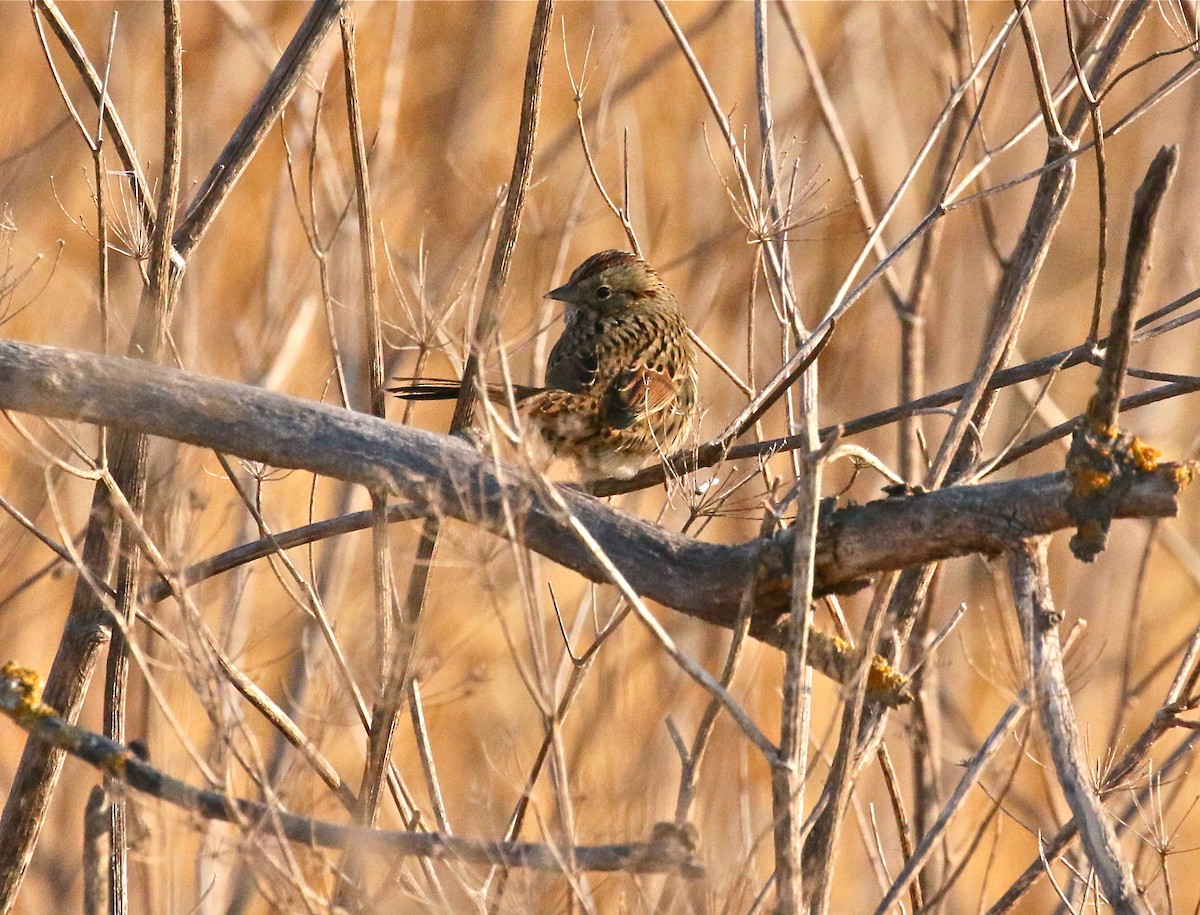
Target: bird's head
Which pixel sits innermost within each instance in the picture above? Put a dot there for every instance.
(608, 283)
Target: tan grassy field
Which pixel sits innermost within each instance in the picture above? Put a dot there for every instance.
(273, 293)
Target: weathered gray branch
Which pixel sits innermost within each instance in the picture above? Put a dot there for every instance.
(1030, 577)
(447, 475)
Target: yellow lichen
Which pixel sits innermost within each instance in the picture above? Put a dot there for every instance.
(26, 688)
(1098, 426)
(885, 678)
(1088, 481)
(27, 683)
(1145, 457)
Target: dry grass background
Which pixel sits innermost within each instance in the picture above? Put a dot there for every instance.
(441, 89)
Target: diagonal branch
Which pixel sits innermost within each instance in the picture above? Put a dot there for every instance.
(1030, 577)
(445, 475)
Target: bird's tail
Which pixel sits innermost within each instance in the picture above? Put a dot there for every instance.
(426, 389)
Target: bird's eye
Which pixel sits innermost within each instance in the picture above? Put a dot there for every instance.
(603, 292)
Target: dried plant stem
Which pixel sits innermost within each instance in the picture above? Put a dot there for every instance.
(72, 670)
(255, 125)
(861, 728)
(274, 543)
(498, 880)
(1011, 302)
(1012, 298)
(1051, 849)
(1106, 405)
(220, 661)
(689, 666)
(691, 758)
(1030, 577)
(789, 768)
(308, 599)
(973, 769)
(398, 661)
(380, 745)
(900, 814)
(97, 88)
(89, 624)
(837, 134)
(157, 313)
(1131, 646)
(377, 768)
(95, 830)
(637, 76)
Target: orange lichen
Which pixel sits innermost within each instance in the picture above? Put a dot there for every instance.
(115, 763)
(1097, 423)
(884, 678)
(884, 682)
(1088, 481)
(1145, 457)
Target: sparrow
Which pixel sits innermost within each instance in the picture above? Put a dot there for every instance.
(621, 380)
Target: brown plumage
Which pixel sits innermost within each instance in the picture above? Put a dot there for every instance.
(620, 381)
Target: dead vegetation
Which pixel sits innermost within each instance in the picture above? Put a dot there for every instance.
(352, 660)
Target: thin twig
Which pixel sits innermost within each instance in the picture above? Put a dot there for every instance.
(486, 329)
(973, 770)
(233, 160)
(381, 566)
(1142, 223)
(1030, 578)
(156, 312)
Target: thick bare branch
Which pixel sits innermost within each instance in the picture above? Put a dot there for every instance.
(446, 475)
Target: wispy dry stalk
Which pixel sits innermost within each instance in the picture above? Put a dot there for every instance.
(381, 563)
(1178, 698)
(789, 769)
(954, 803)
(1011, 303)
(89, 627)
(1030, 578)
(96, 84)
(255, 125)
(69, 677)
(398, 664)
(156, 313)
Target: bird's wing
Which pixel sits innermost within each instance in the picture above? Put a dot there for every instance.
(639, 392)
(650, 390)
(574, 359)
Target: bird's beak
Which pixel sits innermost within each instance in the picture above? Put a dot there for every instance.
(561, 294)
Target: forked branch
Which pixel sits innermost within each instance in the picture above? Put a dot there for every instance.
(445, 475)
